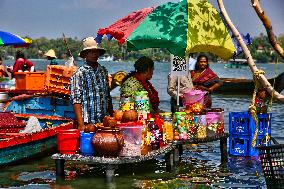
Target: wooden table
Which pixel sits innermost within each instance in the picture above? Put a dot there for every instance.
(172, 154)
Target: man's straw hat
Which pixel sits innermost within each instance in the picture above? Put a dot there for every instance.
(50, 53)
(90, 43)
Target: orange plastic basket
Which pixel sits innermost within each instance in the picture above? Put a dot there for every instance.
(58, 78)
(30, 80)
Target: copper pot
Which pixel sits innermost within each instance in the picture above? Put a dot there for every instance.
(108, 142)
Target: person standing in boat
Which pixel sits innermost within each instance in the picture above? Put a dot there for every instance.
(21, 64)
(205, 79)
(3, 72)
(90, 92)
(50, 55)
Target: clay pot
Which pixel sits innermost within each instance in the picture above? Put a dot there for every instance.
(108, 142)
(109, 121)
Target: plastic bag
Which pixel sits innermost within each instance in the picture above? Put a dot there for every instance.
(32, 126)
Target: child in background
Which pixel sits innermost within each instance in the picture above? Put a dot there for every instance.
(261, 101)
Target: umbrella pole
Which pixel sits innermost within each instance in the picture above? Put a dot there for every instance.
(178, 87)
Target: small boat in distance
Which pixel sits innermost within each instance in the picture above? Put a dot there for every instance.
(106, 58)
(237, 86)
(236, 63)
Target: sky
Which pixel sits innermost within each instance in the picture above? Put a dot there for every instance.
(82, 18)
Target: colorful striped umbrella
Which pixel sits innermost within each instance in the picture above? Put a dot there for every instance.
(185, 27)
(7, 39)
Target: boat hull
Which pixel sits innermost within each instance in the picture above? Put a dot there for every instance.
(234, 86)
(26, 151)
(16, 146)
(41, 105)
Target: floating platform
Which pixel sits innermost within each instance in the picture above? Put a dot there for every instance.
(172, 153)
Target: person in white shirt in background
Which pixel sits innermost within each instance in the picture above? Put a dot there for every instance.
(185, 85)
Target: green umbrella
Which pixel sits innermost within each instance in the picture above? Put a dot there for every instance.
(182, 28)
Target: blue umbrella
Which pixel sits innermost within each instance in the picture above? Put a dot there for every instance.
(7, 39)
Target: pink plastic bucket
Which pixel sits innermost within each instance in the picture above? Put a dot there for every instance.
(194, 96)
(68, 141)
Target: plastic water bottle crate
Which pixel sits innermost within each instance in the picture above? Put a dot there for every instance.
(242, 124)
(242, 145)
(242, 128)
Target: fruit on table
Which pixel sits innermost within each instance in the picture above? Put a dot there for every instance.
(129, 116)
(90, 128)
(118, 114)
(109, 121)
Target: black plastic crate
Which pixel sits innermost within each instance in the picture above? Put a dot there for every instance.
(272, 162)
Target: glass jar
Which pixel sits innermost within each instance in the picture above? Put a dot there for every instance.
(168, 130)
(126, 103)
(155, 134)
(180, 126)
(142, 104)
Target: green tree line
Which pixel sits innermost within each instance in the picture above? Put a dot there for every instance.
(261, 50)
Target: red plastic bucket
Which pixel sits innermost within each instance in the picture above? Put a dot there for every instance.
(68, 141)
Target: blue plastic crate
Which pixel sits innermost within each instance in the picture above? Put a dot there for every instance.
(238, 146)
(239, 123)
(242, 145)
(264, 124)
(242, 124)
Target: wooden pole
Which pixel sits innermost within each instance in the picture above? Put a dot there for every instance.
(69, 51)
(266, 22)
(59, 169)
(248, 56)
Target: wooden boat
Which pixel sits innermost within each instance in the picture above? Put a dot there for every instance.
(236, 63)
(246, 86)
(40, 105)
(16, 146)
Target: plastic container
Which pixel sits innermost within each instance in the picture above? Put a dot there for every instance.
(180, 126)
(272, 164)
(242, 124)
(242, 145)
(215, 120)
(132, 134)
(58, 78)
(126, 103)
(68, 141)
(3, 97)
(86, 146)
(194, 96)
(168, 130)
(30, 80)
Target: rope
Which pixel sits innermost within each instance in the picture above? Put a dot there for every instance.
(252, 107)
(267, 137)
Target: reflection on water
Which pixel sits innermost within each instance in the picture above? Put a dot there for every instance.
(199, 166)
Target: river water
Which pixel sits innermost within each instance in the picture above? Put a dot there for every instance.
(200, 165)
